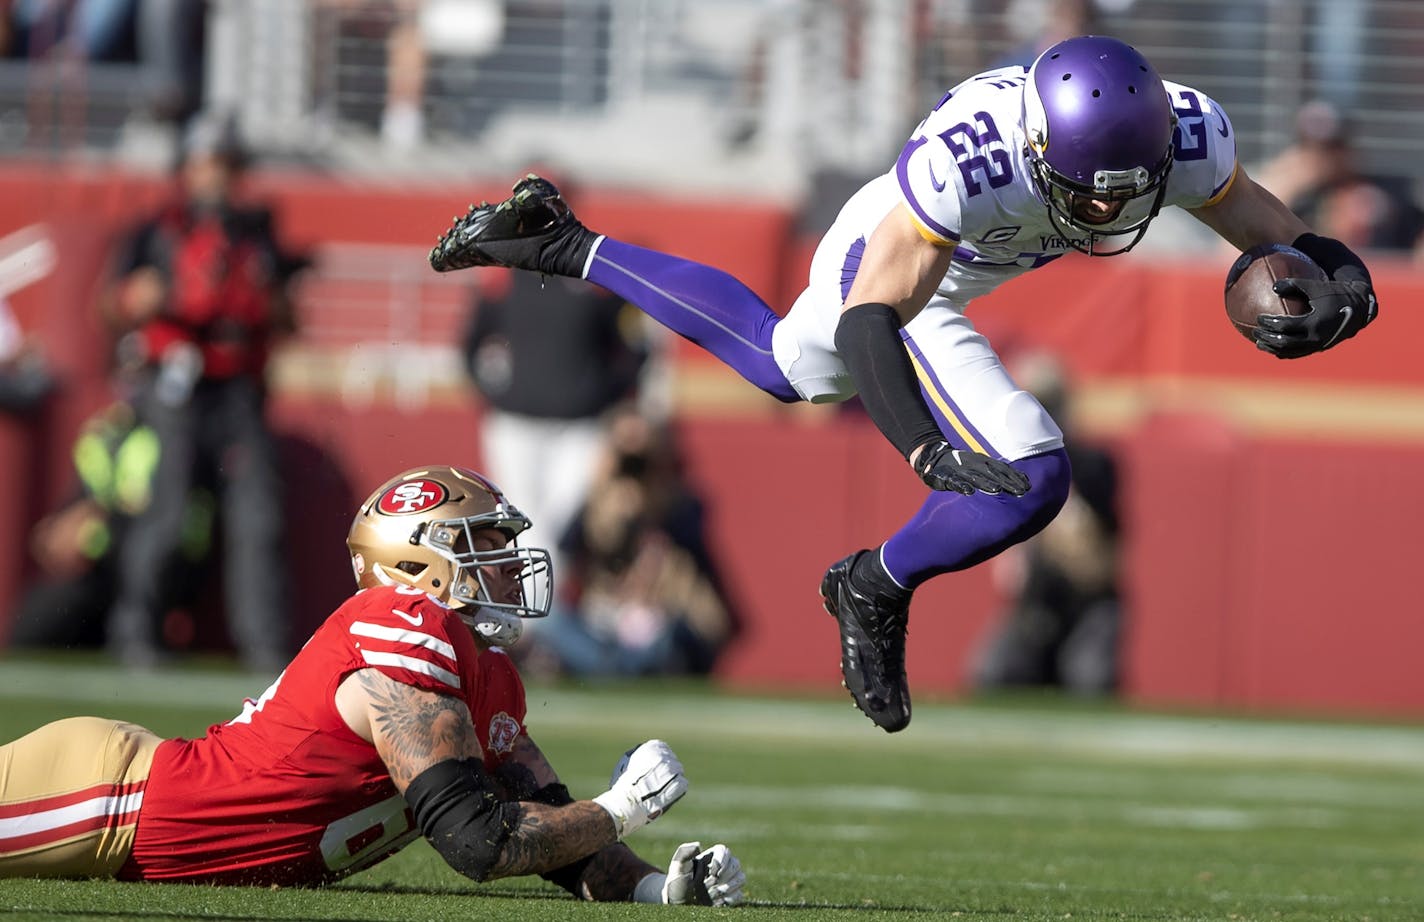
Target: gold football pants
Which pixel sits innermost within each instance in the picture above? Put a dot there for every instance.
(70, 793)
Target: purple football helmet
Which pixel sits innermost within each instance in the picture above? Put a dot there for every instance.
(1099, 128)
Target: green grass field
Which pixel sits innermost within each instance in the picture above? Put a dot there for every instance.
(1030, 809)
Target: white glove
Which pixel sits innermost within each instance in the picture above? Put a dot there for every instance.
(647, 782)
(709, 878)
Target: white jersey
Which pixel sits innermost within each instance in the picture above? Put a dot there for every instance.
(964, 178)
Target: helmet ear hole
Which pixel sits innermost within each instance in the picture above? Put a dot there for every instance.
(413, 567)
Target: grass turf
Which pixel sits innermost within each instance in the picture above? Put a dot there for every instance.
(1028, 810)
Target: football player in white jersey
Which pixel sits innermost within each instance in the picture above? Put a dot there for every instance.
(1010, 170)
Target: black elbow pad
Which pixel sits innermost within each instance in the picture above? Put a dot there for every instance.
(462, 818)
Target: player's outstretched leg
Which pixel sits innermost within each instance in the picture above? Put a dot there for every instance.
(532, 229)
(535, 229)
(869, 592)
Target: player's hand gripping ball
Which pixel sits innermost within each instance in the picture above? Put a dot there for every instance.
(1251, 286)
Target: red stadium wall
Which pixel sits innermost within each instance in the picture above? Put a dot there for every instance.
(1272, 508)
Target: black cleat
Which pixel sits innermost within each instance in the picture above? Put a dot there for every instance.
(533, 229)
(873, 633)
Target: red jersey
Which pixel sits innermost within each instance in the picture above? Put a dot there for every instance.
(285, 793)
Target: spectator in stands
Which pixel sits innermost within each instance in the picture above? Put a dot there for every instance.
(403, 116)
(201, 292)
(159, 45)
(90, 30)
(1040, 24)
(171, 42)
(399, 29)
(550, 357)
(645, 597)
(77, 546)
(1319, 176)
(1062, 625)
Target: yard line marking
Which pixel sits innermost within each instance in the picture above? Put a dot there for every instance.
(1143, 813)
(814, 723)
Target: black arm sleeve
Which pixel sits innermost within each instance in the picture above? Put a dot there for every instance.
(461, 817)
(868, 339)
(1338, 260)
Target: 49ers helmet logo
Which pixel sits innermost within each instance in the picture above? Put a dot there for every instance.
(410, 496)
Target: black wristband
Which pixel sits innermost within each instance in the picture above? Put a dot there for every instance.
(868, 339)
(1338, 260)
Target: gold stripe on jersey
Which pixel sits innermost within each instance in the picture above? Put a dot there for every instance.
(1226, 187)
(931, 236)
(939, 400)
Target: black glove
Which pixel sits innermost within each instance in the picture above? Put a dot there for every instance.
(1339, 308)
(945, 468)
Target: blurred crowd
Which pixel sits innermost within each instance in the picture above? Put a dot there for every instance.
(1321, 177)
(177, 512)
(194, 298)
(161, 41)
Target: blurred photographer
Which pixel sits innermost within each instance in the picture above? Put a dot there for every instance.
(642, 593)
(77, 545)
(201, 292)
(1062, 626)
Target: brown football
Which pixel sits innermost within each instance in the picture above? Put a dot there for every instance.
(1249, 284)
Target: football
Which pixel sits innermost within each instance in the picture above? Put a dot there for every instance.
(1249, 291)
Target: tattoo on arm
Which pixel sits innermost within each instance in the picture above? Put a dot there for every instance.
(545, 838)
(415, 729)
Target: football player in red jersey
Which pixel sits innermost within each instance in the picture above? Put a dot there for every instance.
(401, 716)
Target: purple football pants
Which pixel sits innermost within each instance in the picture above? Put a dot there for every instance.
(950, 531)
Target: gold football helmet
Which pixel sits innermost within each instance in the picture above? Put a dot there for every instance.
(419, 529)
